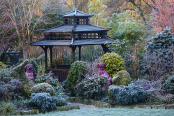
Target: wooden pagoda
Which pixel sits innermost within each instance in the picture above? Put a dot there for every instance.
(76, 31)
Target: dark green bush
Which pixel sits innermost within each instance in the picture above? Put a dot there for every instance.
(160, 54)
(43, 100)
(77, 72)
(125, 95)
(169, 84)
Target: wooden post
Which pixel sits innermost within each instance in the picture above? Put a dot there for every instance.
(80, 53)
(105, 49)
(51, 56)
(73, 52)
(45, 50)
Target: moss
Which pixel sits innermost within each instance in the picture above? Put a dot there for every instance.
(113, 62)
(27, 84)
(43, 87)
(121, 78)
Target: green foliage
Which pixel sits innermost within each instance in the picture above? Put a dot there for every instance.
(77, 72)
(125, 95)
(96, 7)
(43, 100)
(113, 62)
(169, 84)
(121, 78)
(6, 108)
(2, 65)
(125, 25)
(91, 87)
(43, 87)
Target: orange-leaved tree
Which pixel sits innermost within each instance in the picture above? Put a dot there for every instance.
(163, 14)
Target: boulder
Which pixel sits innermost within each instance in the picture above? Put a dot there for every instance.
(121, 78)
(43, 88)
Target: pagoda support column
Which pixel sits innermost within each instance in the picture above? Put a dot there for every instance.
(73, 52)
(105, 48)
(51, 56)
(46, 62)
(80, 52)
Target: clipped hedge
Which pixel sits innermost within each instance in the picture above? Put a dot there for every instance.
(77, 72)
(113, 62)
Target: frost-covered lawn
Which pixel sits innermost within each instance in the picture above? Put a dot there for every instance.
(113, 112)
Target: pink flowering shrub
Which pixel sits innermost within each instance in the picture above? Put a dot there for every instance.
(92, 87)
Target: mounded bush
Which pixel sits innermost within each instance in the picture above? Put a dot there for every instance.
(121, 78)
(43, 100)
(77, 72)
(125, 95)
(10, 87)
(169, 84)
(113, 62)
(43, 87)
(92, 87)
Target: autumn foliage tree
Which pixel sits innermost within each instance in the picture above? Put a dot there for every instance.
(163, 14)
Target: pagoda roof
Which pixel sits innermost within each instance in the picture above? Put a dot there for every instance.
(77, 13)
(45, 42)
(77, 28)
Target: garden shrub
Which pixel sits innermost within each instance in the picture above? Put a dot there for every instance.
(77, 72)
(113, 62)
(43, 87)
(159, 56)
(10, 87)
(43, 100)
(125, 95)
(169, 84)
(49, 78)
(121, 78)
(6, 108)
(61, 100)
(92, 87)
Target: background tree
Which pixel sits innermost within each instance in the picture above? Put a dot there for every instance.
(163, 14)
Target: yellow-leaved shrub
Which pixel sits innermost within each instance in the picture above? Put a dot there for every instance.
(113, 62)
